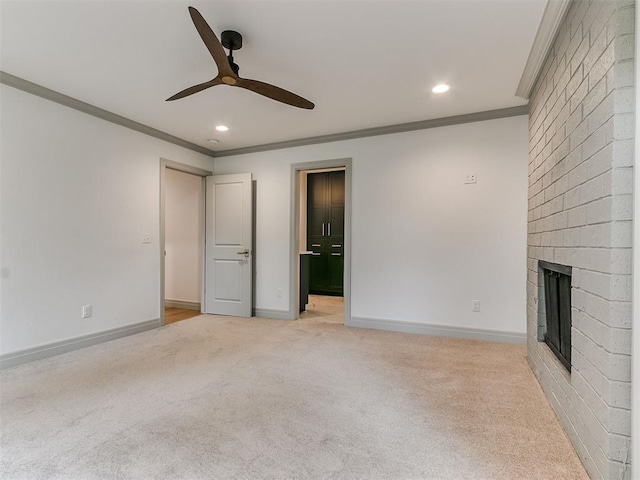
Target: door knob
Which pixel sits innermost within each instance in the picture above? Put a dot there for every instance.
(244, 252)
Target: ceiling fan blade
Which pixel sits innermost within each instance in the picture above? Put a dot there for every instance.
(275, 93)
(195, 89)
(212, 43)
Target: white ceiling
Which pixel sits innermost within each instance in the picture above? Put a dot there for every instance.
(363, 63)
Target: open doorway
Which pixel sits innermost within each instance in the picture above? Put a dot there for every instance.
(182, 241)
(321, 241)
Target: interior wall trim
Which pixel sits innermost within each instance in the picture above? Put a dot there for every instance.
(273, 314)
(52, 95)
(439, 330)
(552, 18)
(386, 130)
(49, 350)
(184, 168)
(184, 304)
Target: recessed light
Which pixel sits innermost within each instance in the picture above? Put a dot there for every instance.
(214, 141)
(222, 128)
(441, 88)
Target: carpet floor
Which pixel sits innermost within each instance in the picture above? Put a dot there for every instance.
(226, 398)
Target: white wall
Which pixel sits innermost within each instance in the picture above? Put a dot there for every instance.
(424, 244)
(184, 197)
(77, 194)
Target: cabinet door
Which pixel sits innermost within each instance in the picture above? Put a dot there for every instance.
(336, 272)
(318, 267)
(335, 212)
(317, 193)
(336, 233)
(318, 274)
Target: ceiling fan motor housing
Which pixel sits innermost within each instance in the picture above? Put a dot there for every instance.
(231, 40)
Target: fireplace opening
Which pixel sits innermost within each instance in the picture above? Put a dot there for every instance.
(557, 299)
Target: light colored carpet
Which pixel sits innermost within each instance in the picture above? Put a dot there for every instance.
(221, 398)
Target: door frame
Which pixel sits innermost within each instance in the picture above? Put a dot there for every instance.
(180, 167)
(294, 263)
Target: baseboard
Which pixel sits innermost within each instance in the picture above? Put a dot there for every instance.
(183, 304)
(64, 346)
(274, 314)
(439, 330)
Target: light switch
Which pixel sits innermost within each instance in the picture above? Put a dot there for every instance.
(146, 238)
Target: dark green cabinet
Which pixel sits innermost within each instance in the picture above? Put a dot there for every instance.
(325, 232)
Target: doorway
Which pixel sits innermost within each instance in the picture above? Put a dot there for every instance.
(182, 217)
(325, 230)
(321, 241)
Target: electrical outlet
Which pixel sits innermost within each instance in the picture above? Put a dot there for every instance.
(279, 292)
(86, 311)
(475, 305)
(471, 178)
(146, 238)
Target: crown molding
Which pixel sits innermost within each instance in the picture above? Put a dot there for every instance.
(52, 95)
(552, 18)
(48, 94)
(386, 130)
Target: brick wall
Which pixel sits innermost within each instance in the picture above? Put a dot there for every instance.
(581, 129)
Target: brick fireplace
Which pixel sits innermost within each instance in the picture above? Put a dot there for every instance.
(581, 132)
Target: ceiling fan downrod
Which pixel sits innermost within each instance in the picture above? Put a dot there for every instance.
(234, 66)
(231, 40)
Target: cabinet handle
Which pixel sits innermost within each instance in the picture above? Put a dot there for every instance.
(315, 254)
(316, 245)
(337, 245)
(323, 229)
(336, 254)
(329, 234)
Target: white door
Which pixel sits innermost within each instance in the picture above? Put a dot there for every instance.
(229, 245)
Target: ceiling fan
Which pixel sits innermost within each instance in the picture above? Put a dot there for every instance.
(228, 70)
